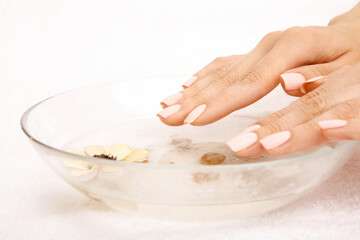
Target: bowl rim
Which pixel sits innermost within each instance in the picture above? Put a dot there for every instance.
(25, 115)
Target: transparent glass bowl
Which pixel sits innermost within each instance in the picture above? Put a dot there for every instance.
(124, 112)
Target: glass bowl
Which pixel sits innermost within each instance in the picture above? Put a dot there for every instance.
(124, 112)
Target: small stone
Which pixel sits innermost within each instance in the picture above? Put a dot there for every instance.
(212, 158)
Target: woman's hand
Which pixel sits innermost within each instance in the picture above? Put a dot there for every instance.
(290, 57)
(330, 112)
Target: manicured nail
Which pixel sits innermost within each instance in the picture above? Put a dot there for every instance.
(313, 79)
(275, 140)
(250, 129)
(190, 82)
(242, 141)
(292, 81)
(329, 124)
(167, 112)
(172, 99)
(195, 114)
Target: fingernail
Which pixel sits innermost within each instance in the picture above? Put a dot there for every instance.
(172, 99)
(329, 124)
(167, 112)
(275, 140)
(242, 141)
(292, 81)
(313, 79)
(195, 114)
(190, 82)
(250, 129)
(302, 89)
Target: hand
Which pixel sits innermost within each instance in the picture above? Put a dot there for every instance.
(290, 57)
(330, 112)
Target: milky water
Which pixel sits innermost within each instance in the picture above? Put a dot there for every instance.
(174, 145)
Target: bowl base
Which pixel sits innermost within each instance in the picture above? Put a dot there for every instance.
(196, 212)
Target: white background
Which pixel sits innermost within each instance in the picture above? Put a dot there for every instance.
(49, 46)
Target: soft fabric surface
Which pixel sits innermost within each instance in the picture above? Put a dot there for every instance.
(37, 204)
(47, 47)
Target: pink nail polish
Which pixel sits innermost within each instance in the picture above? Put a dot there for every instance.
(172, 99)
(195, 114)
(250, 129)
(190, 82)
(292, 81)
(314, 79)
(167, 112)
(275, 140)
(242, 141)
(329, 124)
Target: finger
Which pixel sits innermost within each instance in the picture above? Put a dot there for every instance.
(215, 82)
(339, 129)
(311, 133)
(337, 89)
(307, 109)
(340, 79)
(293, 80)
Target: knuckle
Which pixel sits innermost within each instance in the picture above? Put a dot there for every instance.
(223, 71)
(219, 60)
(269, 37)
(197, 99)
(275, 127)
(252, 78)
(313, 94)
(314, 103)
(192, 89)
(231, 77)
(298, 35)
(278, 114)
(335, 20)
(293, 32)
(224, 83)
(310, 126)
